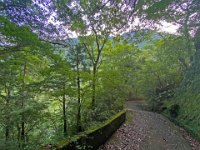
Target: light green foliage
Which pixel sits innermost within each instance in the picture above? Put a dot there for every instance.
(54, 89)
(161, 65)
(113, 85)
(39, 86)
(20, 85)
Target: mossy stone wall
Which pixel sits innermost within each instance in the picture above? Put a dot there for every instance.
(93, 138)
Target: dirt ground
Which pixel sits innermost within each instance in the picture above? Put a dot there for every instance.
(144, 130)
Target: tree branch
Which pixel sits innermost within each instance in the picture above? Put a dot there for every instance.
(88, 51)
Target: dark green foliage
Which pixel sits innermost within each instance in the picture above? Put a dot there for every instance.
(183, 105)
(45, 89)
(174, 110)
(53, 88)
(187, 97)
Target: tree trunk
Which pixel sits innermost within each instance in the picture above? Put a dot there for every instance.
(79, 128)
(23, 131)
(18, 134)
(7, 133)
(94, 86)
(64, 112)
(22, 107)
(7, 128)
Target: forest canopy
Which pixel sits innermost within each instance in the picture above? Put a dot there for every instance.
(68, 65)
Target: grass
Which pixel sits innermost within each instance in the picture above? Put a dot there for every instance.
(129, 117)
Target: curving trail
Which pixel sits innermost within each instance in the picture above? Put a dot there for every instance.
(146, 130)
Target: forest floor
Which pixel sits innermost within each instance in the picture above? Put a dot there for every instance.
(144, 130)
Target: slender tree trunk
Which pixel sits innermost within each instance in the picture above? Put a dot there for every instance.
(18, 134)
(27, 139)
(94, 86)
(22, 107)
(7, 133)
(64, 111)
(7, 128)
(23, 131)
(79, 128)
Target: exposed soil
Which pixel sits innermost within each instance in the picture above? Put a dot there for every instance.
(146, 130)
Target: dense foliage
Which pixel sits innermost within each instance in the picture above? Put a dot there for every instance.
(183, 105)
(53, 85)
(53, 88)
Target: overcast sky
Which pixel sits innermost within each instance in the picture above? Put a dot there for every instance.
(165, 27)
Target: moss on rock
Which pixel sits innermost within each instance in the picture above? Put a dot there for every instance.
(91, 139)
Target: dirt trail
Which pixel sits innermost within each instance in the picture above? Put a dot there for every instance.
(145, 130)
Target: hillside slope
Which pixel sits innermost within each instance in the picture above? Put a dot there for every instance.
(188, 97)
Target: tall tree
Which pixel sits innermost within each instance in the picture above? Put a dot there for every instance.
(99, 19)
(21, 54)
(183, 13)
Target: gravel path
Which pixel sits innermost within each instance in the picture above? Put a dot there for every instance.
(145, 130)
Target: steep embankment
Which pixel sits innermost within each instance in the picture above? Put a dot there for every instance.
(188, 99)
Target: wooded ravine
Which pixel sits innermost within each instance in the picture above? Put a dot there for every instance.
(68, 66)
